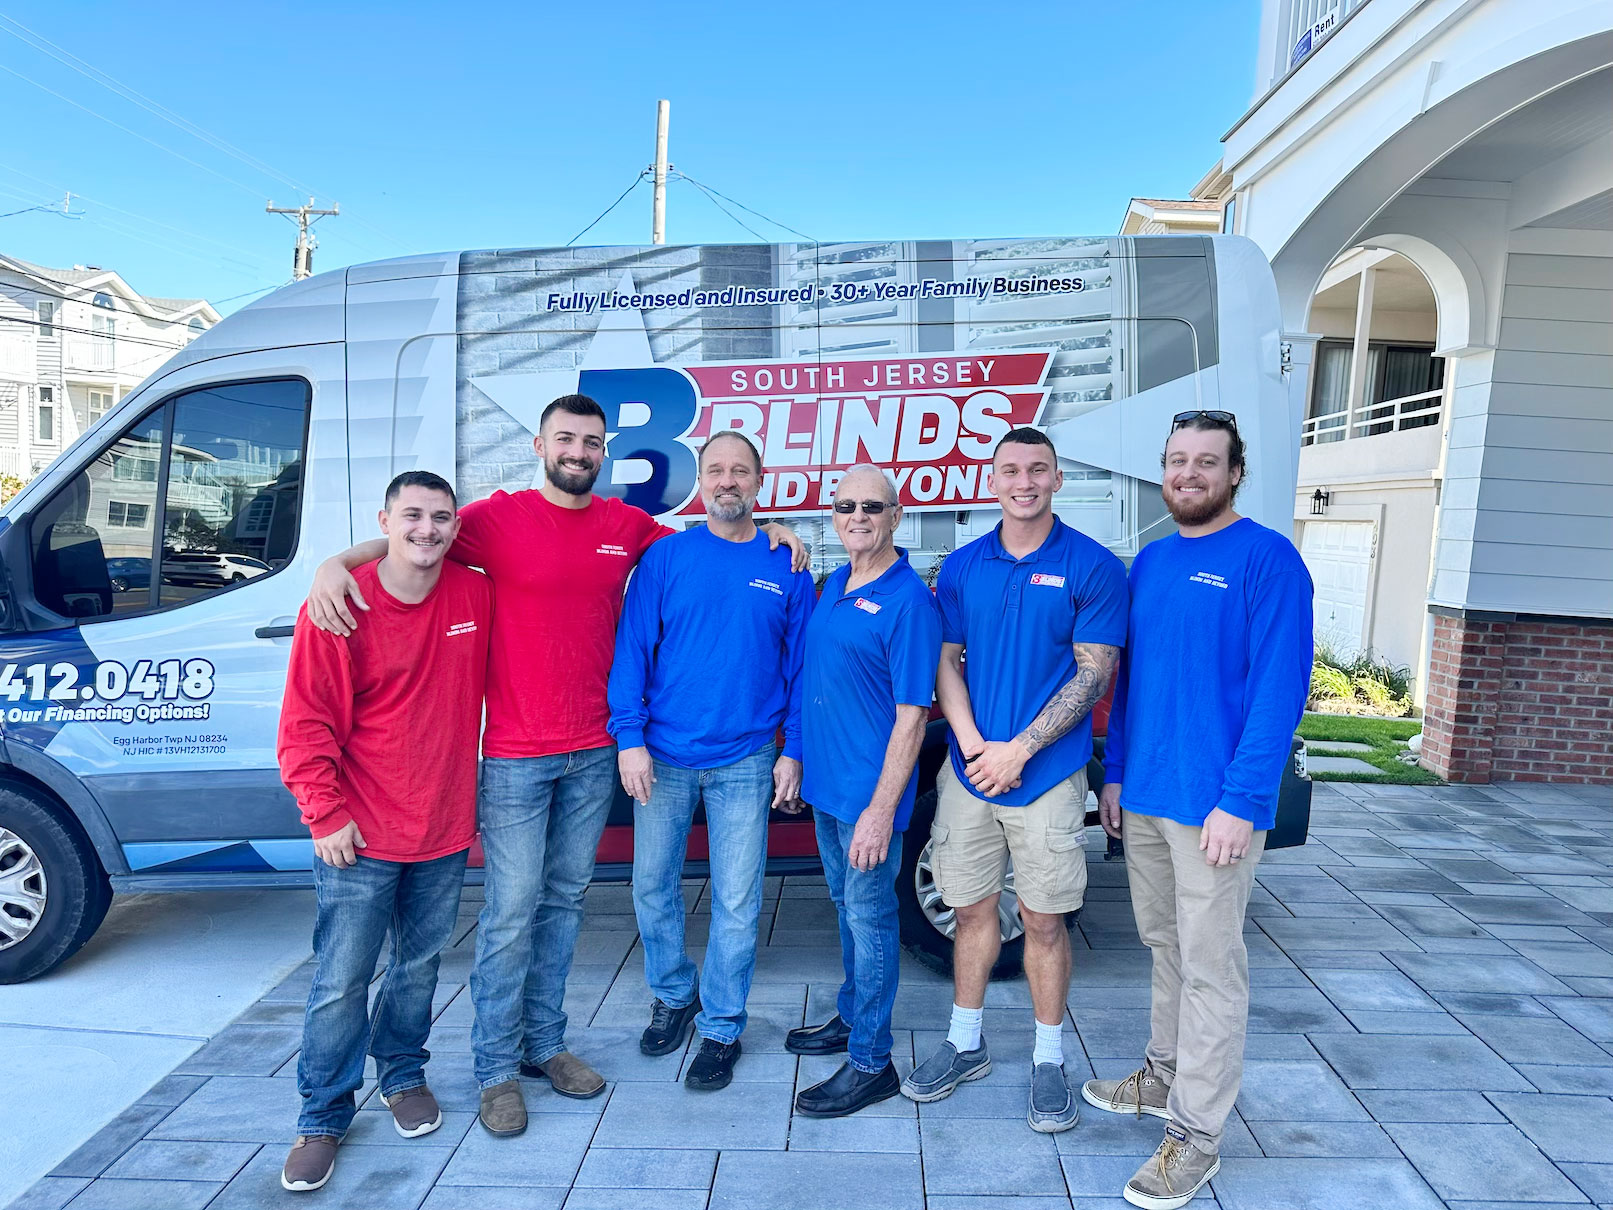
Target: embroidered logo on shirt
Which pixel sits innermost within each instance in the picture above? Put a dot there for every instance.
(767, 586)
(1051, 581)
(1208, 577)
(459, 628)
(867, 606)
(610, 548)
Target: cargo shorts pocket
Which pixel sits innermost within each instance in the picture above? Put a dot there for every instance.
(1058, 879)
(939, 834)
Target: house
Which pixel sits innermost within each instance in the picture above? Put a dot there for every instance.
(72, 343)
(1433, 184)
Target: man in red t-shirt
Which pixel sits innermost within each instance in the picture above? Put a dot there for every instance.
(378, 744)
(559, 558)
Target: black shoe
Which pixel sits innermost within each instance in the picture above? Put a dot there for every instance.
(847, 1091)
(668, 1026)
(830, 1038)
(713, 1067)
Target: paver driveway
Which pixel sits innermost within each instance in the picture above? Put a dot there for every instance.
(1432, 1023)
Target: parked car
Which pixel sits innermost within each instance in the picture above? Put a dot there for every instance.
(137, 730)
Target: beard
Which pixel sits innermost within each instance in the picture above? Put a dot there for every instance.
(1198, 512)
(573, 480)
(728, 512)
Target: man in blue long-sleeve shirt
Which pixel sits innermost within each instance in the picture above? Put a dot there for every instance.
(1211, 688)
(708, 665)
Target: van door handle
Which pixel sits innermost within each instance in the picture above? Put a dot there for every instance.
(275, 632)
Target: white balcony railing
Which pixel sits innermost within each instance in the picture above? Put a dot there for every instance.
(15, 462)
(1374, 419)
(1310, 23)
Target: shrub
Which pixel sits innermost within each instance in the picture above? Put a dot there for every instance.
(1362, 684)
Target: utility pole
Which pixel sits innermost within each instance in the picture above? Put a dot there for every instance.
(659, 168)
(302, 261)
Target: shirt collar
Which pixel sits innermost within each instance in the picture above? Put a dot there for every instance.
(887, 581)
(1052, 543)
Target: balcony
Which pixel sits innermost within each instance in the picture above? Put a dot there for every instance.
(1370, 420)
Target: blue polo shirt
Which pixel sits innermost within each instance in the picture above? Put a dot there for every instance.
(1017, 620)
(867, 652)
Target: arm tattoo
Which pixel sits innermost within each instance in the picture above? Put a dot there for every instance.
(1094, 666)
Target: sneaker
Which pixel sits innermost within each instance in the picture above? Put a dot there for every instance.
(713, 1067)
(939, 1075)
(414, 1111)
(1139, 1093)
(1176, 1172)
(568, 1075)
(1052, 1107)
(503, 1110)
(312, 1160)
(668, 1026)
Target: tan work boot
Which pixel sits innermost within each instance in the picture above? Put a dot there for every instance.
(1176, 1172)
(414, 1111)
(312, 1160)
(1139, 1093)
(568, 1075)
(503, 1109)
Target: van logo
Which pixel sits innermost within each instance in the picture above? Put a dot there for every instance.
(459, 628)
(867, 606)
(1050, 580)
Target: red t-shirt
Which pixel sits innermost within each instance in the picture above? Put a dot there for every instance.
(558, 577)
(380, 728)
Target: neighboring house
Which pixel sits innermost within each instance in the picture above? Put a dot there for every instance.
(1433, 183)
(72, 343)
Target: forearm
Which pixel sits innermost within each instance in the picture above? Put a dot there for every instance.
(1094, 665)
(367, 551)
(901, 751)
(953, 693)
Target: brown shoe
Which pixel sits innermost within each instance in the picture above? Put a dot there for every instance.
(568, 1075)
(414, 1111)
(1176, 1172)
(312, 1160)
(503, 1109)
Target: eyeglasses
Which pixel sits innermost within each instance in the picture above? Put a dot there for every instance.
(871, 508)
(1209, 414)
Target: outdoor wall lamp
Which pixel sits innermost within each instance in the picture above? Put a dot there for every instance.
(1320, 499)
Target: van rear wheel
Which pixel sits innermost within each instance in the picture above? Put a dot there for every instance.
(53, 892)
(927, 924)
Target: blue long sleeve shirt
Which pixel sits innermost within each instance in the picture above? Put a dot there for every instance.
(1215, 676)
(709, 650)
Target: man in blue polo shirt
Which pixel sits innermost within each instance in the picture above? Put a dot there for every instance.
(1039, 611)
(871, 653)
(708, 665)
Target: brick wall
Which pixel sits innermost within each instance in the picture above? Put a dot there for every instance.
(1517, 698)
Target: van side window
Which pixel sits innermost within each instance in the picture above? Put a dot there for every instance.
(200, 494)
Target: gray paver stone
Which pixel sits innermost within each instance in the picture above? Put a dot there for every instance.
(1481, 1163)
(1398, 1061)
(164, 1160)
(817, 1181)
(1327, 1184)
(987, 1156)
(1575, 1129)
(110, 1194)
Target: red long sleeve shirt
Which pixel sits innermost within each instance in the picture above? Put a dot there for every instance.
(381, 728)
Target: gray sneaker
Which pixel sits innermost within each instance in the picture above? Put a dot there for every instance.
(1176, 1172)
(1052, 1107)
(939, 1075)
(1139, 1093)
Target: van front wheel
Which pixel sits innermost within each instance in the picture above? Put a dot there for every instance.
(53, 892)
(928, 925)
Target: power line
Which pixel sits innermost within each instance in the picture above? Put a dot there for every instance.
(712, 198)
(637, 181)
(709, 190)
(61, 327)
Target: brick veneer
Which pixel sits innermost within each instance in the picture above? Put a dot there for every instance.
(1520, 699)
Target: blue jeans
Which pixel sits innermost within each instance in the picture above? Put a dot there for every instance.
(865, 902)
(737, 798)
(541, 818)
(357, 906)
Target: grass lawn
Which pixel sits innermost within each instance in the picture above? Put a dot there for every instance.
(1387, 736)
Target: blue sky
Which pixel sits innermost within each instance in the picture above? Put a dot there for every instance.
(443, 126)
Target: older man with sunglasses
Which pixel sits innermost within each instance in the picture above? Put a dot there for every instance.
(869, 678)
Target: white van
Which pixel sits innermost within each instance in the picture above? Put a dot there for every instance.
(153, 572)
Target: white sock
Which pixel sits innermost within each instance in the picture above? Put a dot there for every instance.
(1049, 1046)
(965, 1031)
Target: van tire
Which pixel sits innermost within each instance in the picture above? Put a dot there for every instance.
(77, 893)
(920, 935)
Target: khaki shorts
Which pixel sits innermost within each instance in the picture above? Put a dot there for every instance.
(974, 838)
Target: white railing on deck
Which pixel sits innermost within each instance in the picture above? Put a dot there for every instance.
(1310, 23)
(15, 462)
(1390, 416)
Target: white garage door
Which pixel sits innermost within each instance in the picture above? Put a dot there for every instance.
(1339, 555)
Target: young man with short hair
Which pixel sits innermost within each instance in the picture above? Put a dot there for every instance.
(1212, 686)
(1038, 610)
(559, 558)
(708, 665)
(378, 736)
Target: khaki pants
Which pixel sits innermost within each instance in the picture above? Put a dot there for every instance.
(1191, 916)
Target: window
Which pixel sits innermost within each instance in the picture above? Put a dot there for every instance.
(103, 351)
(195, 326)
(207, 490)
(45, 428)
(1396, 375)
(100, 403)
(46, 310)
(1229, 216)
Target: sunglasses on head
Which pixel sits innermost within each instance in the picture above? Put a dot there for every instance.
(871, 508)
(1210, 414)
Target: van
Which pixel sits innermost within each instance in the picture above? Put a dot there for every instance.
(153, 573)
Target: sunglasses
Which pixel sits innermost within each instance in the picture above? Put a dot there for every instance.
(1210, 414)
(871, 508)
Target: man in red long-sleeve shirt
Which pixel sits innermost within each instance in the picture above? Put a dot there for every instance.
(378, 741)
